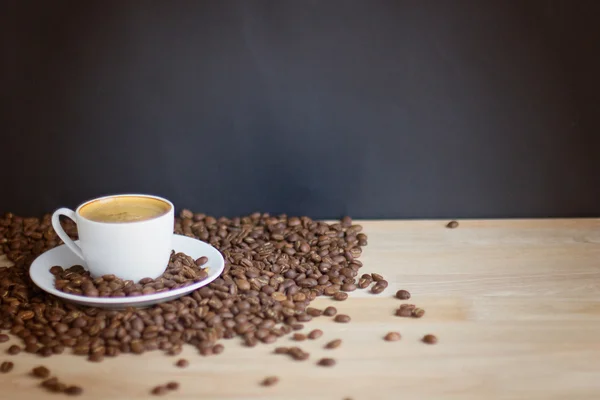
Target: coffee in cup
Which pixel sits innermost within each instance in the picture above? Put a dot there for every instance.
(129, 236)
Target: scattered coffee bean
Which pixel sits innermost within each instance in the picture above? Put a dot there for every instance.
(40, 372)
(376, 277)
(159, 390)
(342, 318)
(298, 354)
(218, 349)
(326, 362)
(297, 327)
(377, 289)
(330, 311)
(403, 294)
(270, 381)
(266, 257)
(340, 296)
(4, 338)
(452, 224)
(430, 339)
(281, 350)
(334, 344)
(172, 385)
(383, 283)
(13, 350)
(182, 363)
(392, 337)
(181, 271)
(6, 366)
(313, 312)
(418, 312)
(348, 287)
(404, 312)
(73, 390)
(299, 337)
(315, 334)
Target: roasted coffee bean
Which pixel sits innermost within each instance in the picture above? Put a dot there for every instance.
(181, 270)
(418, 312)
(392, 337)
(40, 372)
(403, 294)
(377, 289)
(348, 287)
(330, 311)
(218, 349)
(159, 390)
(404, 312)
(270, 381)
(6, 366)
(4, 338)
(274, 267)
(376, 277)
(382, 283)
(73, 390)
(452, 225)
(299, 336)
(297, 327)
(340, 296)
(172, 385)
(281, 350)
(430, 339)
(315, 334)
(326, 362)
(342, 318)
(313, 312)
(334, 344)
(182, 363)
(13, 350)
(363, 283)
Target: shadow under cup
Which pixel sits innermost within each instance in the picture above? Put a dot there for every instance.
(129, 236)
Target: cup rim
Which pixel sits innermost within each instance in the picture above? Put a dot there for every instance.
(148, 196)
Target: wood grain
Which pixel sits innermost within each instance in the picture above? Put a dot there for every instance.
(515, 304)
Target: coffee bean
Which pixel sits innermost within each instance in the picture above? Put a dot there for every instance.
(4, 338)
(299, 337)
(13, 350)
(418, 312)
(270, 381)
(297, 327)
(363, 283)
(383, 283)
(376, 277)
(73, 390)
(404, 312)
(182, 363)
(342, 318)
(340, 296)
(218, 348)
(392, 337)
(6, 367)
(172, 385)
(40, 372)
(159, 390)
(452, 225)
(201, 261)
(348, 287)
(313, 312)
(377, 289)
(275, 266)
(96, 357)
(326, 362)
(315, 334)
(298, 354)
(334, 344)
(403, 294)
(430, 339)
(330, 311)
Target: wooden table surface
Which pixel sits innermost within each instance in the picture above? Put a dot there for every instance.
(515, 305)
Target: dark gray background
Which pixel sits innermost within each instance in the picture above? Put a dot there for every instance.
(377, 109)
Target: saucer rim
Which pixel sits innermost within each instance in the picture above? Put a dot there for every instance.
(133, 299)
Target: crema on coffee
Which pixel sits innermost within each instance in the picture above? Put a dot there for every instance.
(124, 209)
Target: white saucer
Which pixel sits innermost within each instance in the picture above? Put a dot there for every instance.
(61, 255)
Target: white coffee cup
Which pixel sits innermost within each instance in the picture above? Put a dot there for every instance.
(130, 249)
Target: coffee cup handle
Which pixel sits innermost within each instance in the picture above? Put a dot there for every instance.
(60, 231)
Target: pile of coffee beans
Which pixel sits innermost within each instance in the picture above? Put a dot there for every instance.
(275, 266)
(181, 271)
